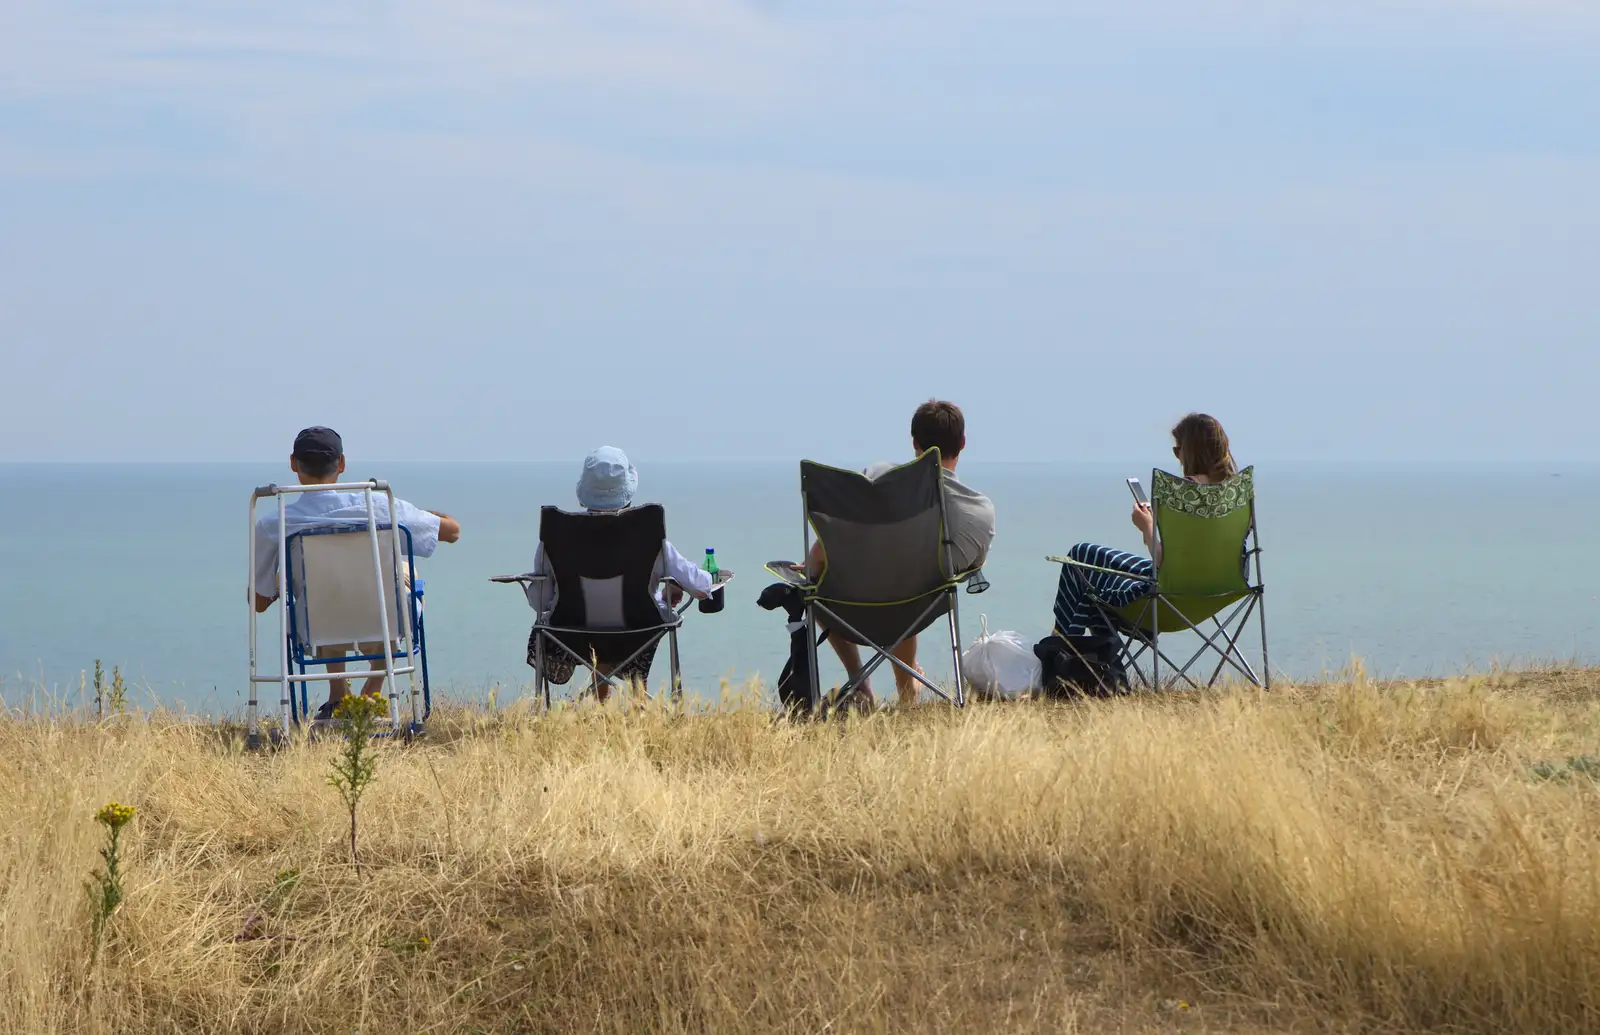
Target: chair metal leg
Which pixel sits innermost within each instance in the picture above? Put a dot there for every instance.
(815, 689)
(542, 687)
(676, 690)
(1228, 653)
(1230, 645)
(1266, 670)
(955, 650)
(883, 653)
(1155, 647)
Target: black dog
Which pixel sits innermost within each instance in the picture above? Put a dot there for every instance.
(794, 684)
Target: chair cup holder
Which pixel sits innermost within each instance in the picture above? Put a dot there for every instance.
(713, 603)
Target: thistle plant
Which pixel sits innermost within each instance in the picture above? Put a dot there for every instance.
(115, 696)
(356, 764)
(118, 697)
(105, 888)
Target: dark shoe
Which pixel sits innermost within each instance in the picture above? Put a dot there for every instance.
(325, 713)
(859, 701)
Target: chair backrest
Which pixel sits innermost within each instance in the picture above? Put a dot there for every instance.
(1203, 532)
(333, 588)
(884, 537)
(602, 565)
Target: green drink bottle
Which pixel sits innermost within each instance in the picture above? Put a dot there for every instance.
(712, 603)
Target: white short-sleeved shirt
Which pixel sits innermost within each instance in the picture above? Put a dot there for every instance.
(329, 508)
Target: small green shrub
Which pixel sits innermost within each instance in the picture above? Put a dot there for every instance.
(105, 886)
(356, 764)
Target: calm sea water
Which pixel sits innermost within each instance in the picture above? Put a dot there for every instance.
(1416, 571)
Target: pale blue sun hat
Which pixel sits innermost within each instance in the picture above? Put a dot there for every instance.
(608, 481)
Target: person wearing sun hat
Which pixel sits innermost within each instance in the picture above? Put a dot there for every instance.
(607, 485)
(608, 481)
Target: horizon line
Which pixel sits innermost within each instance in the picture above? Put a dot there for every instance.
(772, 461)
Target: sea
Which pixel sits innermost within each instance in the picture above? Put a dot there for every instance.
(1407, 570)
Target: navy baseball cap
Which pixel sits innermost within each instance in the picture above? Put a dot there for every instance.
(318, 443)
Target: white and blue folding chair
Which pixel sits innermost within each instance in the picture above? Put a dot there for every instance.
(344, 585)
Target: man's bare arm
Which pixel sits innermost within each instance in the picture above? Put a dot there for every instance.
(449, 527)
(262, 603)
(816, 563)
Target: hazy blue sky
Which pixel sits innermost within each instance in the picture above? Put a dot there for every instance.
(714, 229)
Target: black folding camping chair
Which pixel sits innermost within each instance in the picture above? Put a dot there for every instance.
(889, 572)
(604, 613)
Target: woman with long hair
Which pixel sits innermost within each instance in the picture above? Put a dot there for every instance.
(1201, 447)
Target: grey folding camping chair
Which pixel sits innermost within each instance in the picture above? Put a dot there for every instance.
(603, 613)
(889, 572)
(1203, 585)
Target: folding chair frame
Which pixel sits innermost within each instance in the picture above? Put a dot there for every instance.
(1228, 629)
(817, 605)
(546, 634)
(410, 634)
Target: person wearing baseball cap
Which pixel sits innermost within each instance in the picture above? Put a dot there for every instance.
(318, 459)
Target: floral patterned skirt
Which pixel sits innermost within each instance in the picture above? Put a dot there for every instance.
(559, 665)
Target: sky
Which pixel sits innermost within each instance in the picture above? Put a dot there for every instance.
(739, 231)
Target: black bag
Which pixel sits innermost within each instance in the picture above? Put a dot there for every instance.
(794, 683)
(1081, 666)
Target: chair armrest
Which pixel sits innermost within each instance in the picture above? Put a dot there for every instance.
(785, 571)
(722, 579)
(525, 577)
(1109, 571)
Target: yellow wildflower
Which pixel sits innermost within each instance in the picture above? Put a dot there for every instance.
(355, 707)
(115, 816)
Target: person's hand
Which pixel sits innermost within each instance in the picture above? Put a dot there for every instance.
(1143, 520)
(674, 594)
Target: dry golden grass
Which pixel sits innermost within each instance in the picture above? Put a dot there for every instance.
(1352, 857)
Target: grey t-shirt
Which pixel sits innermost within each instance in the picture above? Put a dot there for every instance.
(970, 516)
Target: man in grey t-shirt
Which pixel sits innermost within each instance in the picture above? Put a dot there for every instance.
(971, 525)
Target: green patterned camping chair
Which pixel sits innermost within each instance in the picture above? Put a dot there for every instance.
(1209, 551)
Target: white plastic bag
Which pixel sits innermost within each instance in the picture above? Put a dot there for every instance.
(1000, 664)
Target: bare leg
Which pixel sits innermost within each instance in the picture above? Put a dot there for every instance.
(337, 688)
(602, 687)
(373, 686)
(904, 685)
(850, 658)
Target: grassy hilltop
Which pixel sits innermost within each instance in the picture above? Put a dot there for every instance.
(1338, 858)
